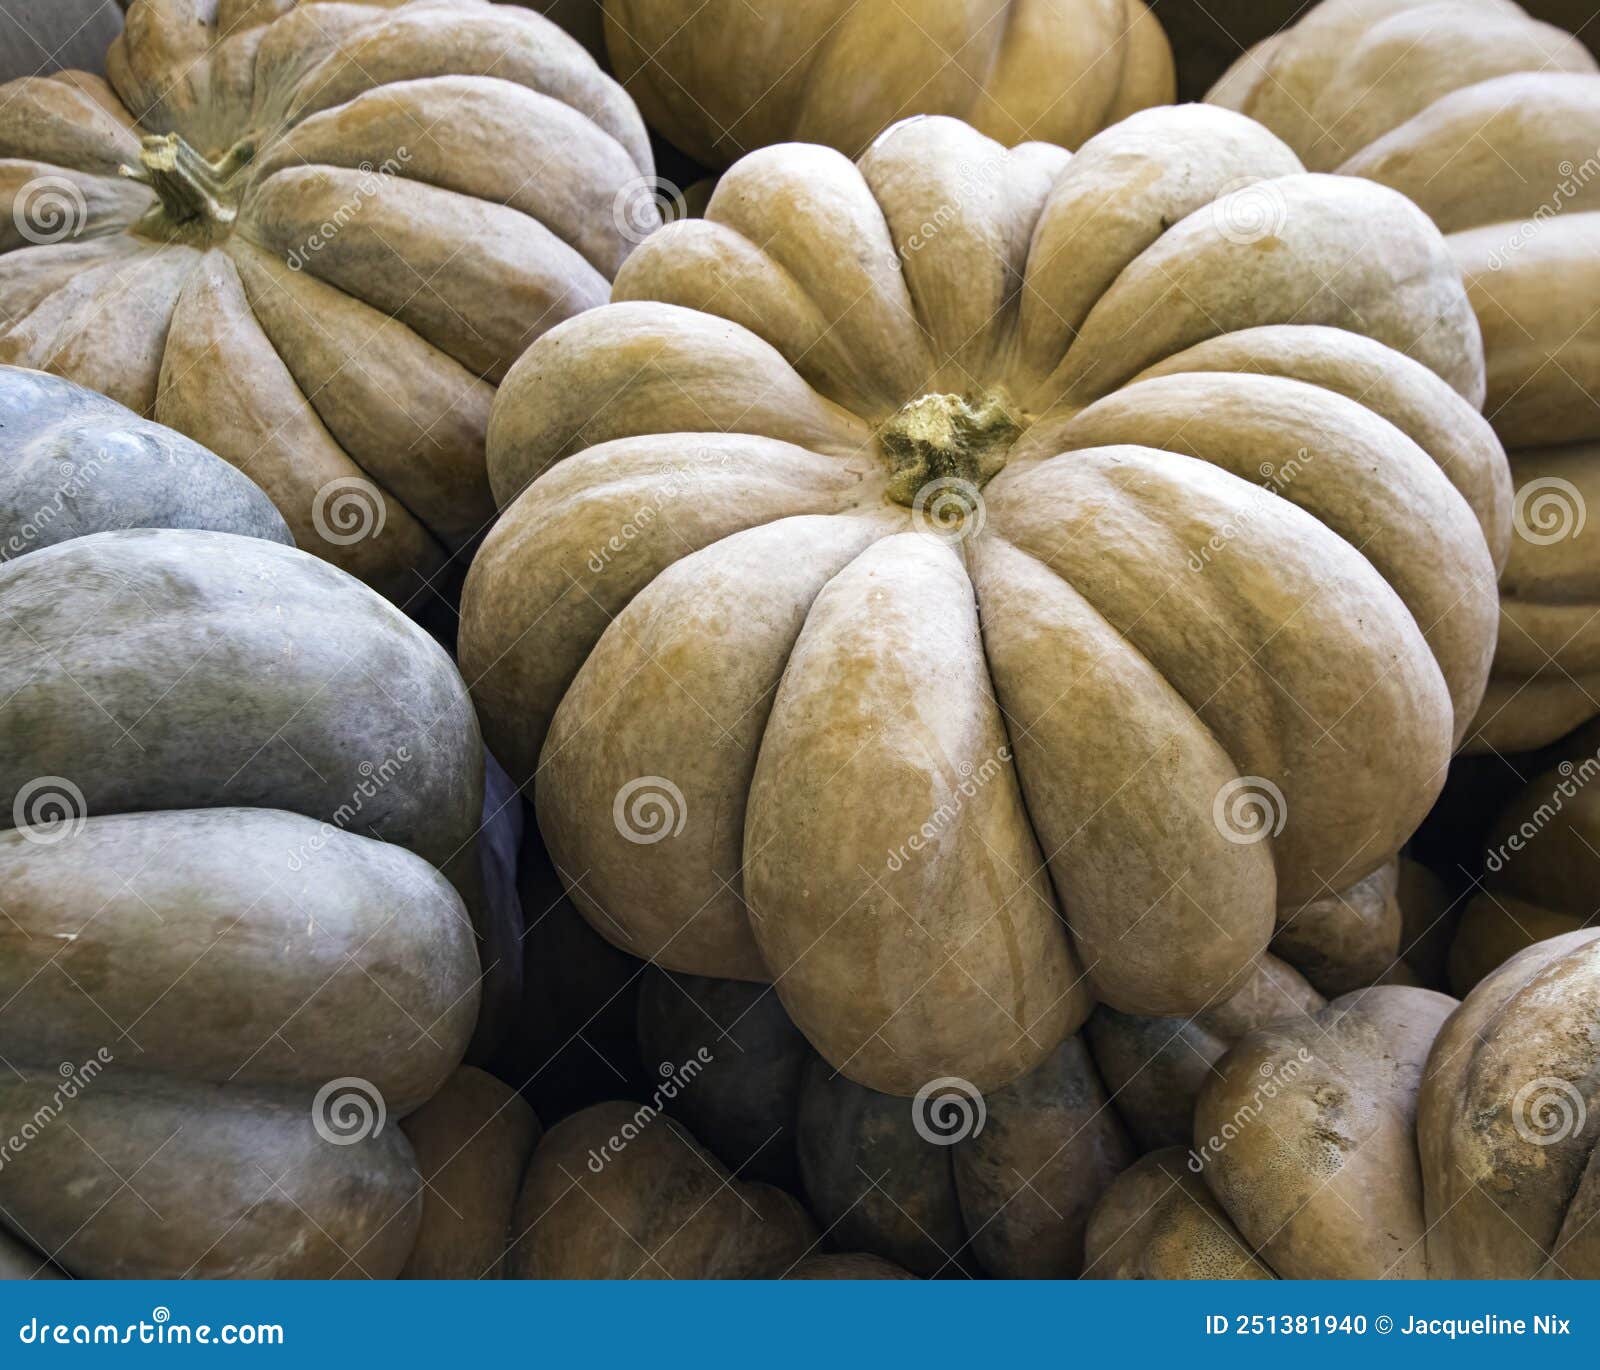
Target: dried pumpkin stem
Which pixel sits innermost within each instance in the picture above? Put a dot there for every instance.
(193, 192)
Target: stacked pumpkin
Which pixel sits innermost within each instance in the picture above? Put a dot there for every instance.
(983, 607)
(1489, 121)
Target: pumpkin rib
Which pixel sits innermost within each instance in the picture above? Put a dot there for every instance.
(1418, 525)
(569, 146)
(1283, 693)
(427, 491)
(1176, 799)
(291, 455)
(72, 312)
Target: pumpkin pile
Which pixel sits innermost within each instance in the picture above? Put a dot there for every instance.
(877, 729)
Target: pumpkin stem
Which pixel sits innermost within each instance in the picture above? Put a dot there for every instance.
(192, 190)
(946, 438)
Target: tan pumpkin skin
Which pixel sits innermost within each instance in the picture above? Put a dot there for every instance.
(1349, 939)
(720, 79)
(1328, 1185)
(849, 1266)
(1158, 1221)
(472, 1142)
(660, 1207)
(1490, 121)
(891, 801)
(1304, 1162)
(378, 205)
(1509, 1118)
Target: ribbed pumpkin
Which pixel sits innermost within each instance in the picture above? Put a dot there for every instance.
(1490, 121)
(202, 739)
(313, 236)
(720, 78)
(888, 604)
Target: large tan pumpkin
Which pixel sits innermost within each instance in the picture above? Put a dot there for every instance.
(894, 611)
(1490, 121)
(720, 78)
(312, 237)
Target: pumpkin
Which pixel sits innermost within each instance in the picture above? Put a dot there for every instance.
(856, 1265)
(1509, 1119)
(1155, 1068)
(472, 1142)
(1540, 866)
(781, 609)
(1490, 121)
(312, 237)
(952, 1183)
(618, 1191)
(1304, 1159)
(1393, 1134)
(750, 1061)
(81, 463)
(719, 78)
(203, 740)
(1347, 939)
